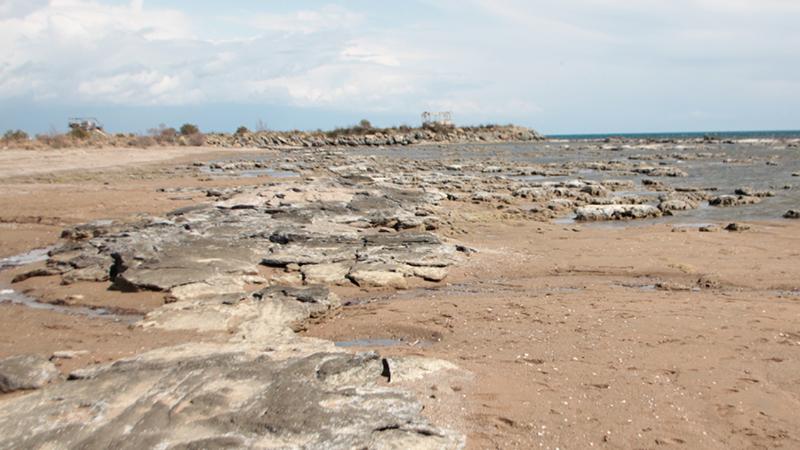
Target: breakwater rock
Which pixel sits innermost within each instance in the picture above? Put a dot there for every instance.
(378, 137)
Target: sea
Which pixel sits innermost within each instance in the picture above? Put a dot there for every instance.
(760, 134)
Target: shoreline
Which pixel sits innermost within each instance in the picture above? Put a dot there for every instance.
(509, 314)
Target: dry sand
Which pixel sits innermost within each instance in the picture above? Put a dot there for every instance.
(578, 337)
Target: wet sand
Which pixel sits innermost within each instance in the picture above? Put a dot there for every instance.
(38, 200)
(573, 345)
(577, 336)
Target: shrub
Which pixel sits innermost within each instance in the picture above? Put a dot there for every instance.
(197, 139)
(437, 127)
(15, 135)
(142, 141)
(242, 130)
(365, 124)
(189, 129)
(163, 134)
(54, 140)
(79, 133)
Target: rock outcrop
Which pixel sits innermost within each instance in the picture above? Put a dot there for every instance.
(230, 396)
(615, 212)
(377, 137)
(25, 372)
(733, 200)
(265, 386)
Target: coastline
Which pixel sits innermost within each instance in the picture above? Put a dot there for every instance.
(541, 313)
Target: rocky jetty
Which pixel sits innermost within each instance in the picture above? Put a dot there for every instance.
(345, 137)
(376, 137)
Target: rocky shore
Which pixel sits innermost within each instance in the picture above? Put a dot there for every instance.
(252, 263)
(348, 137)
(401, 137)
(305, 236)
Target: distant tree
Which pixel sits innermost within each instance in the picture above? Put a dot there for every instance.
(162, 131)
(242, 130)
(15, 135)
(189, 129)
(261, 126)
(365, 124)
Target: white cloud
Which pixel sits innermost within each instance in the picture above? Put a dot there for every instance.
(307, 21)
(58, 49)
(366, 52)
(86, 51)
(142, 87)
(507, 59)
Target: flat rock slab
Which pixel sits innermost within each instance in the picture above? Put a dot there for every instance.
(365, 275)
(25, 372)
(733, 200)
(282, 256)
(615, 212)
(225, 399)
(325, 226)
(325, 273)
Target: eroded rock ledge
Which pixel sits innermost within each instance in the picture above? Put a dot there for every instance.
(266, 387)
(227, 396)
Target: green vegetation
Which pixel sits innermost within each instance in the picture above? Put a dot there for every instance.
(15, 136)
(190, 135)
(163, 134)
(363, 127)
(189, 129)
(437, 127)
(79, 133)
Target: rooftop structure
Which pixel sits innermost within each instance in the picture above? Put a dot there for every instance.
(437, 118)
(85, 123)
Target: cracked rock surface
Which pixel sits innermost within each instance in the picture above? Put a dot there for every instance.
(224, 397)
(265, 386)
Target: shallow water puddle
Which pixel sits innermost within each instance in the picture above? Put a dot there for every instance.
(370, 343)
(18, 298)
(381, 342)
(35, 255)
(8, 295)
(250, 173)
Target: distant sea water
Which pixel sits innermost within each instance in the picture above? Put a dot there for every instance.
(763, 134)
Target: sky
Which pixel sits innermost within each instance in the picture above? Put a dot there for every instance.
(567, 66)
